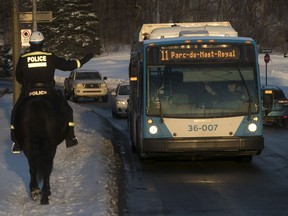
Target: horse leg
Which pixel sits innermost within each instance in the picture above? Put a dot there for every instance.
(34, 189)
(46, 192)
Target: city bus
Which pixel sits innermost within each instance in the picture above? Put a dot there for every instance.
(194, 90)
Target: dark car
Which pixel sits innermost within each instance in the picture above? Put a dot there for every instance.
(275, 106)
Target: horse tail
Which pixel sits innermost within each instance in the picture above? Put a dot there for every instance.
(43, 150)
(44, 162)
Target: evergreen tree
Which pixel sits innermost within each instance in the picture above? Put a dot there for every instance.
(80, 26)
(74, 30)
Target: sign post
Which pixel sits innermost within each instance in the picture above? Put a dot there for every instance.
(41, 17)
(25, 35)
(266, 60)
(16, 49)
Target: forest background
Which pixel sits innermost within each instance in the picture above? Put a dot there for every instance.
(99, 26)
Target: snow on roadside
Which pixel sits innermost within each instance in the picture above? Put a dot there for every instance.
(114, 66)
(83, 180)
(277, 71)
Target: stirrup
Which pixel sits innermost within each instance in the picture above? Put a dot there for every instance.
(15, 149)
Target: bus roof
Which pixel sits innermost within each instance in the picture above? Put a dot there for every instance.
(173, 30)
(203, 39)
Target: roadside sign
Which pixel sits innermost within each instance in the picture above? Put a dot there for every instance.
(267, 58)
(266, 50)
(25, 35)
(42, 17)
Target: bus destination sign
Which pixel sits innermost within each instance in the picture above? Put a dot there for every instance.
(173, 55)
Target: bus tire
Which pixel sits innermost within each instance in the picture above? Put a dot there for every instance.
(133, 147)
(139, 139)
(286, 123)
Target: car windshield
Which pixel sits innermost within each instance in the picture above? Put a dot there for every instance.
(124, 90)
(88, 76)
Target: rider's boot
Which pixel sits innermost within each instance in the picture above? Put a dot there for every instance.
(71, 139)
(15, 149)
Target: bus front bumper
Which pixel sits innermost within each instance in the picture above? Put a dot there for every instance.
(205, 146)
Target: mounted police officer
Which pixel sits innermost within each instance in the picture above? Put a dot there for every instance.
(35, 70)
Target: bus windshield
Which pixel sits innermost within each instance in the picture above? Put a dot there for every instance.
(201, 88)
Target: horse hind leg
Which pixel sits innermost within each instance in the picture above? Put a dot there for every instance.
(35, 193)
(44, 174)
(34, 189)
(46, 192)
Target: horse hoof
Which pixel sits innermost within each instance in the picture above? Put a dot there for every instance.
(35, 193)
(44, 201)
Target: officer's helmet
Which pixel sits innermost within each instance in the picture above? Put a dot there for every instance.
(36, 38)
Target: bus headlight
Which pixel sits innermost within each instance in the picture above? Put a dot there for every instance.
(153, 129)
(252, 127)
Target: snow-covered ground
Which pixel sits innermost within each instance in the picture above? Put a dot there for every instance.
(114, 66)
(82, 181)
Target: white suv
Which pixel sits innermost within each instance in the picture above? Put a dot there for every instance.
(86, 84)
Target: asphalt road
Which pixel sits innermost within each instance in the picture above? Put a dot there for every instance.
(207, 187)
(204, 187)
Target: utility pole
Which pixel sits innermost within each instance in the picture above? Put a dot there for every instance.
(16, 48)
(157, 13)
(34, 16)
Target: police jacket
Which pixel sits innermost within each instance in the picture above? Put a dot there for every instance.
(39, 67)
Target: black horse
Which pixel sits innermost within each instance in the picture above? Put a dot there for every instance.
(40, 126)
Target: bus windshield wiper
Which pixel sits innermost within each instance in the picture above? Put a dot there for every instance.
(160, 106)
(159, 98)
(248, 92)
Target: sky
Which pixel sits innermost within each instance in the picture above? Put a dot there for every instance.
(82, 180)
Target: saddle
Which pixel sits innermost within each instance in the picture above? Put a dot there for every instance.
(39, 89)
(42, 89)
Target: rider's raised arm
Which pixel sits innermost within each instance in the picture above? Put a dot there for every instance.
(68, 65)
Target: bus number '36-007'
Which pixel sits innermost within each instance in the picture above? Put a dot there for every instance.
(202, 127)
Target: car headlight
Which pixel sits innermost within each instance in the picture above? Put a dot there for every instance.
(252, 127)
(79, 85)
(103, 84)
(121, 102)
